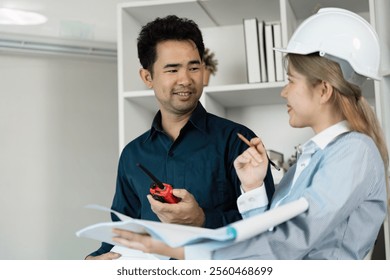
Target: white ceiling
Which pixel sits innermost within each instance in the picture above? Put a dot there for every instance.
(72, 19)
(96, 20)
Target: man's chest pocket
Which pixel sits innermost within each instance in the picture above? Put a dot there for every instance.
(207, 181)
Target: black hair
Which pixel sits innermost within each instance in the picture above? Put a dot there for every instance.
(162, 29)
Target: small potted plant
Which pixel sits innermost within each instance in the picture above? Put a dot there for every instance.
(210, 64)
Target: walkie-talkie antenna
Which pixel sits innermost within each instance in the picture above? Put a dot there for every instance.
(147, 172)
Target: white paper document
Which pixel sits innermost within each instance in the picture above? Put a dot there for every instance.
(180, 235)
(130, 254)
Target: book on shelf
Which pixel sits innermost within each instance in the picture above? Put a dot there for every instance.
(181, 235)
(263, 66)
(252, 50)
(279, 69)
(269, 52)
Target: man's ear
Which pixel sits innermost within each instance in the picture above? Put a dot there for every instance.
(146, 77)
(326, 91)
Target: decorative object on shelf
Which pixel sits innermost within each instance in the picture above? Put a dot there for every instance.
(278, 159)
(293, 159)
(210, 65)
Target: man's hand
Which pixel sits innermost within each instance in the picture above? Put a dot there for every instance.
(185, 212)
(106, 256)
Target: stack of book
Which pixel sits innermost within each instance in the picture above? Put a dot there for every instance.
(263, 63)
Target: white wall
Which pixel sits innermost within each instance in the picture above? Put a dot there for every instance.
(58, 152)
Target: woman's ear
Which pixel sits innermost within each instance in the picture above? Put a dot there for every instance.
(326, 91)
(146, 77)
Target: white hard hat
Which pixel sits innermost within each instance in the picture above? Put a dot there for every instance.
(342, 36)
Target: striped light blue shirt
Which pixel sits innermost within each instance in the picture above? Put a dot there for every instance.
(344, 183)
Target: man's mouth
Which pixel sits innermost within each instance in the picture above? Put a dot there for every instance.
(183, 93)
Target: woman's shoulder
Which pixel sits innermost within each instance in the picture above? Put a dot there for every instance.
(355, 138)
(354, 142)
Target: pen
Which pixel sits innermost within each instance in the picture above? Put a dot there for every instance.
(246, 141)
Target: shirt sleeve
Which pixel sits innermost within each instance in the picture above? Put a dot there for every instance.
(104, 248)
(340, 198)
(252, 202)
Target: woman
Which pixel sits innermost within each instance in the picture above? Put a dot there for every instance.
(342, 171)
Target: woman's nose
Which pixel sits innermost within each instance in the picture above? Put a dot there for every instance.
(283, 93)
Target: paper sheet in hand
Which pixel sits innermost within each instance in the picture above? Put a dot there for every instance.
(180, 235)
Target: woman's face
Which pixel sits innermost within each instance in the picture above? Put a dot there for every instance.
(303, 100)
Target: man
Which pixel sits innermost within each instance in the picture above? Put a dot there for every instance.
(186, 147)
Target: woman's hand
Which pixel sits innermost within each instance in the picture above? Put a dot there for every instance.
(146, 244)
(251, 166)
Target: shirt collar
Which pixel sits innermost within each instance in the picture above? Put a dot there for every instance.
(198, 119)
(326, 136)
(156, 126)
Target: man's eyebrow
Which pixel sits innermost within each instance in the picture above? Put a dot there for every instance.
(175, 65)
(194, 62)
(172, 65)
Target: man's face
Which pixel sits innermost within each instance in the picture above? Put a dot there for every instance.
(177, 76)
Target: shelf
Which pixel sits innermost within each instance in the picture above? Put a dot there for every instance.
(386, 73)
(232, 12)
(143, 98)
(231, 96)
(228, 96)
(206, 13)
(220, 19)
(242, 95)
(303, 8)
(146, 11)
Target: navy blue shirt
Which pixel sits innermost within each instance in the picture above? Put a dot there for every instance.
(200, 160)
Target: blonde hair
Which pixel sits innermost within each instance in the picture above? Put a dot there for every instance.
(347, 97)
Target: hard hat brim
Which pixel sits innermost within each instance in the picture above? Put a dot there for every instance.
(286, 50)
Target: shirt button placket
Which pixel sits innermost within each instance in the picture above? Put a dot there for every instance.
(170, 163)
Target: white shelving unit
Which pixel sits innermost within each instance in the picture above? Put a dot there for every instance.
(258, 105)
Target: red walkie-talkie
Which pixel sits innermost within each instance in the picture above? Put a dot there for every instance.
(160, 191)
